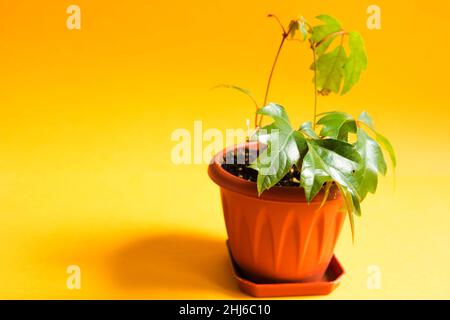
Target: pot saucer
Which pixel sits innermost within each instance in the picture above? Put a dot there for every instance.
(326, 285)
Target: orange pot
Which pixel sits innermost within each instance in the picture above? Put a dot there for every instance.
(277, 237)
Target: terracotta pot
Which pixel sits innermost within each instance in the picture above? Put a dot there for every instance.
(277, 237)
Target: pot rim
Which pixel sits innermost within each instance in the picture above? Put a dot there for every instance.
(230, 182)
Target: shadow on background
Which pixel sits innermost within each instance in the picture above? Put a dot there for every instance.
(174, 261)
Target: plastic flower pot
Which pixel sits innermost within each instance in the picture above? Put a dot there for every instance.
(278, 236)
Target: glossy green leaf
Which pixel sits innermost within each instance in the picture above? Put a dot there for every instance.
(348, 206)
(263, 134)
(278, 114)
(302, 146)
(356, 62)
(313, 175)
(384, 142)
(365, 118)
(284, 147)
(342, 148)
(326, 193)
(332, 160)
(337, 125)
(274, 163)
(356, 204)
(307, 129)
(373, 163)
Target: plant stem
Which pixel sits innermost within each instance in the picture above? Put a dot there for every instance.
(285, 35)
(315, 85)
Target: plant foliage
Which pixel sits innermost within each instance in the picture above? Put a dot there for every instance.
(346, 152)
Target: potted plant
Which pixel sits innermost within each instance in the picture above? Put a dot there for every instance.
(283, 191)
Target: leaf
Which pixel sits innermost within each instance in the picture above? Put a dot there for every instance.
(365, 118)
(293, 27)
(239, 89)
(372, 160)
(324, 45)
(337, 125)
(384, 142)
(326, 194)
(284, 146)
(307, 129)
(356, 62)
(313, 175)
(342, 148)
(263, 134)
(339, 163)
(330, 70)
(278, 114)
(348, 204)
(302, 28)
(301, 143)
(331, 25)
(276, 161)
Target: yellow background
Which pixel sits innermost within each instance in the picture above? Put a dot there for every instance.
(86, 118)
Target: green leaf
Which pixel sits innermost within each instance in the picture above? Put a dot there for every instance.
(263, 134)
(302, 146)
(337, 125)
(372, 160)
(356, 204)
(330, 70)
(356, 62)
(278, 114)
(342, 148)
(326, 193)
(276, 161)
(365, 118)
(384, 142)
(330, 160)
(324, 45)
(331, 25)
(348, 205)
(293, 27)
(239, 89)
(307, 129)
(284, 147)
(302, 28)
(313, 175)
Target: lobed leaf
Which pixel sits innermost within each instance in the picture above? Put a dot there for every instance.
(337, 125)
(365, 118)
(330, 160)
(330, 70)
(384, 142)
(276, 161)
(373, 162)
(307, 129)
(278, 114)
(284, 148)
(331, 25)
(356, 62)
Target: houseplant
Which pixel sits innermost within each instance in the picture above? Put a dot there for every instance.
(283, 190)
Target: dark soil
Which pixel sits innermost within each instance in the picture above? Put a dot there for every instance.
(238, 166)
